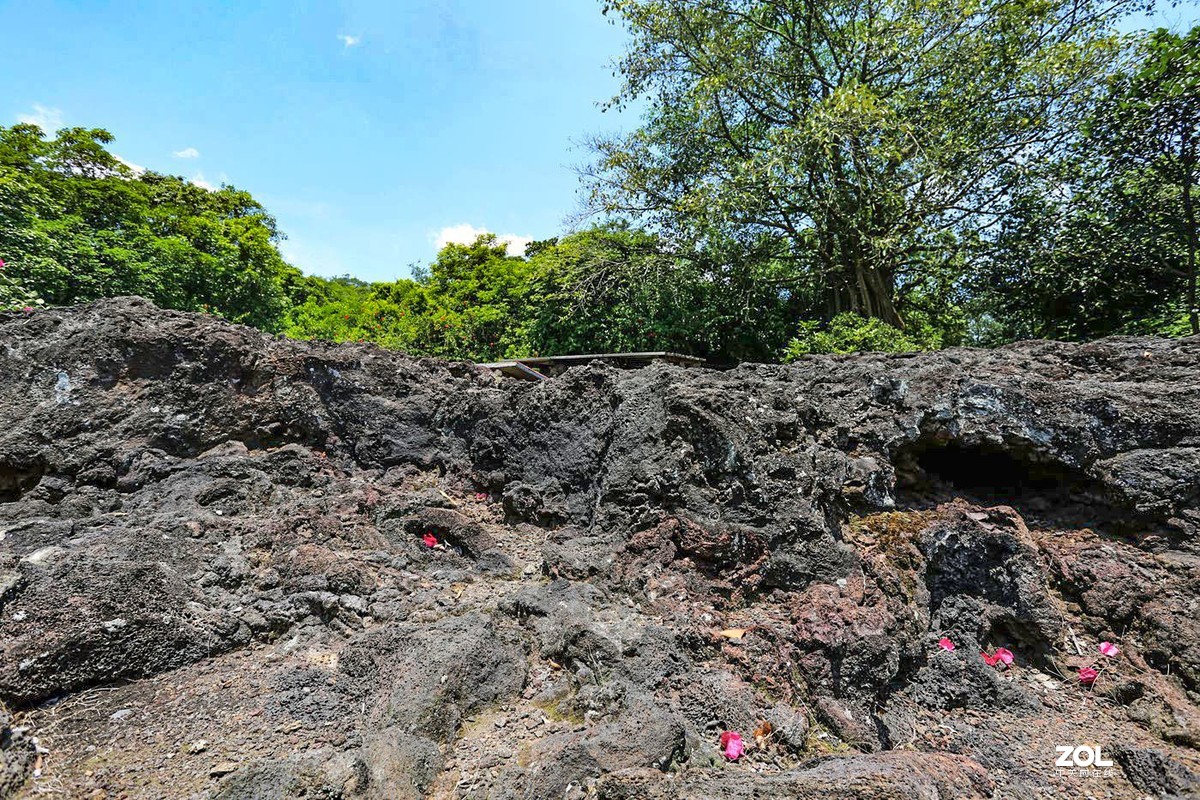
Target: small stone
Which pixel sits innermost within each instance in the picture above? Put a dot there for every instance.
(198, 746)
(222, 768)
(352, 602)
(120, 714)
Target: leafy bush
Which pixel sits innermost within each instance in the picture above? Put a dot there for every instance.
(14, 296)
(850, 333)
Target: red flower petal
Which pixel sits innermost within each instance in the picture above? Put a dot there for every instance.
(946, 644)
(1087, 676)
(731, 743)
(991, 661)
(430, 540)
(1004, 655)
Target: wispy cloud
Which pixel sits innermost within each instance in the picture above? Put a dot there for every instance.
(137, 169)
(199, 180)
(187, 152)
(465, 233)
(48, 119)
(349, 40)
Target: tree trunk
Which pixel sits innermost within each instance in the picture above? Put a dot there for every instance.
(865, 291)
(852, 280)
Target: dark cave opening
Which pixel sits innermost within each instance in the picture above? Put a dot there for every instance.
(983, 470)
(17, 479)
(1045, 491)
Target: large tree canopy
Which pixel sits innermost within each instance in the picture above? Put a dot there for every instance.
(866, 136)
(77, 224)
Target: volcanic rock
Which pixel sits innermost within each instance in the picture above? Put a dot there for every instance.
(208, 534)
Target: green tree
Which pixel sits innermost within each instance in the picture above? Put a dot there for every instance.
(1103, 239)
(868, 138)
(616, 288)
(77, 224)
(1149, 125)
(470, 304)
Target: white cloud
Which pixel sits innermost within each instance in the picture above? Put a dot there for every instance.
(348, 40)
(137, 169)
(466, 233)
(187, 152)
(48, 119)
(458, 234)
(516, 244)
(199, 180)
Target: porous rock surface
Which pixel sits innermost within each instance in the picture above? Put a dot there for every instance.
(213, 579)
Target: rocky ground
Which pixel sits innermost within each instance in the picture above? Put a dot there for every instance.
(215, 579)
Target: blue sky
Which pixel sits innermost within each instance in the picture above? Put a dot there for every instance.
(367, 127)
(372, 129)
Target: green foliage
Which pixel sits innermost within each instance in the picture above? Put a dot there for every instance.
(866, 136)
(851, 333)
(1103, 239)
(76, 224)
(14, 296)
(468, 306)
(926, 175)
(615, 289)
(605, 289)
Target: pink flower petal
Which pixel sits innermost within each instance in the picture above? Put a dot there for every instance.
(990, 660)
(1109, 649)
(430, 540)
(1004, 656)
(731, 743)
(1087, 676)
(946, 644)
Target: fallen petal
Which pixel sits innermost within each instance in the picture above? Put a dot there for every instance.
(946, 644)
(1109, 649)
(430, 540)
(1087, 676)
(990, 660)
(1004, 656)
(731, 743)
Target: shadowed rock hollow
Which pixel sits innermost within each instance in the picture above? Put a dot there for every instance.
(213, 579)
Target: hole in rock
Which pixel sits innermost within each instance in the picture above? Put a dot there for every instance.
(1021, 638)
(1045, 491)
(442, 536)
(17, 479)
